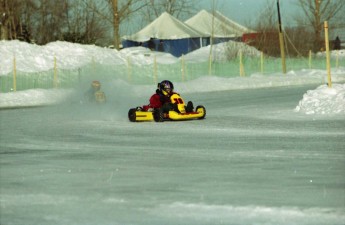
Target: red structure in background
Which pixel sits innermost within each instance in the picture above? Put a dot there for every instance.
(267, 42)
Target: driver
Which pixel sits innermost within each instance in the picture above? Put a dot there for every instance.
(94, 94)
(161, 99)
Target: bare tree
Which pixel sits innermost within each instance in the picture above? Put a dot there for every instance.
(121, 12)
(6, 16)
(11, 21)
(50, 19)
(318, 11)
(44, 21)
(178, 8)
(83, 21)
(40, 19)
(267, 37)
(114, 12)
(298, 39)
(83, 25)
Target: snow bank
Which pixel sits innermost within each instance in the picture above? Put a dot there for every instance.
(144, 56)
(221, 52)
(33, 97)
(34, 58)
(334, 54)
(323, 100)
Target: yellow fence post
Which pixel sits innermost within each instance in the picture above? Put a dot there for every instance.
(281, 41)
(155, 79)
(210, 64)
(55, 74)
(14, 74)
(327, 55)
(93, 65)
(241, 65)
(182, 67)
(282, 52)
(262, 63)
(129, 70)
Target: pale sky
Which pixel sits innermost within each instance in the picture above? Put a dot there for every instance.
(243, 12)
(246, 11)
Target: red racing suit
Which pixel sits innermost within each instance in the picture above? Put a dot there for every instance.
(157, 100)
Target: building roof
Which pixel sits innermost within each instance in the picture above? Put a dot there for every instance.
(165, 27)
(222, 26)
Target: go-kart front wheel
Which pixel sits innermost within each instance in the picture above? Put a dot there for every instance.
(132, 115)
(158, 115)
(201, 109)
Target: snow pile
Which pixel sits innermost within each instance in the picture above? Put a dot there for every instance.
(144, 56)
(323, 100)
(34, 58)
(334, 54)
(33, 97)
(222, 52)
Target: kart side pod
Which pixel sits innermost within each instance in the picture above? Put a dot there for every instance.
(99, 97)
(137, 116)
(159, 116)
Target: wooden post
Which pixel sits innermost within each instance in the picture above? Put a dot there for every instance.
(281, 41)
(55, 82)
(182, 67)
(262, 63)
(282, 52)
(14, 74)
(93, 66)
(210, 63)
(155, 79)
(309, 59)
(241, 65)
(327, 55)
(211, 42)
(129, 70)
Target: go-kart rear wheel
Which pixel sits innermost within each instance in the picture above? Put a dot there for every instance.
(158, 115)
(132, 115)
(201, 109)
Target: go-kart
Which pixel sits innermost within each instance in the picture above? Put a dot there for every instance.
(158, 115)
(99, 97)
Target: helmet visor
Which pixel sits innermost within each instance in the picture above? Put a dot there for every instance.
(168, 90)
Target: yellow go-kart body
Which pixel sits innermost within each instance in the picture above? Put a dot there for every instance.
(99, 96)
(158, 116)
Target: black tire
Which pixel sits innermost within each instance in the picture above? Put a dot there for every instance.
(158, 115)
(132, 115)
(200, 107)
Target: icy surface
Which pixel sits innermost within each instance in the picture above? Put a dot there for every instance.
(253, 160)
(270, 151)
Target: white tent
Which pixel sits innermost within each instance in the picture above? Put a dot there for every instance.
(218, 26)
(165, 27)
(167, 34)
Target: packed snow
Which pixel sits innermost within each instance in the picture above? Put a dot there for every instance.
(34, 58)
(323, 100)
(270, 150)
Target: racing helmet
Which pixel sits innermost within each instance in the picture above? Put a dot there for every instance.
(96, 85)
(166, 87)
